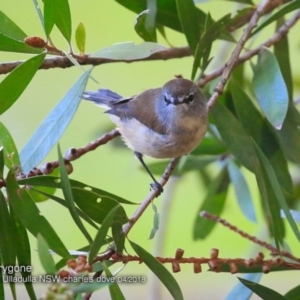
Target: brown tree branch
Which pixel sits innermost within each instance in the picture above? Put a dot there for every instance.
(279, 34)
(63, 62)
(274, 250)
(261, 9)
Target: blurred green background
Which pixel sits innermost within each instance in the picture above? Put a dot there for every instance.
(114, 168)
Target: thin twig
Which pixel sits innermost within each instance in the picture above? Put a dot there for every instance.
(279, 34)
(71, 154)
(274, 251)
(236, 52)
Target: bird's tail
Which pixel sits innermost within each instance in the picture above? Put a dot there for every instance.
(103, 97)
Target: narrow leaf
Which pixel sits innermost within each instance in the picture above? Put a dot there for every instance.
(1, 161)
(7, 235)
(62, 18)
(270, 175)
(263, 134)
(52, 128)
(99, 240)
(155, 222)
(114, 289)
(66, 188)
(240, 291)
(293, 294)
(289, 135)
(270, 88)
(234, 135)
(141, 29)
(213, 203)
(166, 15)
(23, 253)
(281, 51)
(80, 36)
(45, 257)
(262, 291)
(129, 51)
(118, 236)
(242, 191)
(11, 155)
(10, 29)
(30, 216)
(52, 181)
(189, 21)
(159, 270)
(49, 16)
(13, 85)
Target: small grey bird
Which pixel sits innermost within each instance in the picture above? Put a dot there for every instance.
(164, 122)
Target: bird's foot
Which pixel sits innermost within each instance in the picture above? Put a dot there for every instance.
(157, 187)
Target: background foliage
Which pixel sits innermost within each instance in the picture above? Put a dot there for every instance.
(253, 141)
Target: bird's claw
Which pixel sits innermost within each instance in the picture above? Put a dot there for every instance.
(157, 187)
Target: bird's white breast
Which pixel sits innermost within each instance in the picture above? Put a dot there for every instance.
(146, 141)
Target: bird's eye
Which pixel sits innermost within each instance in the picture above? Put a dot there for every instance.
(167, 101)
(189, 99)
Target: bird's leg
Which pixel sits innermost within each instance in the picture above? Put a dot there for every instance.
(155, 185)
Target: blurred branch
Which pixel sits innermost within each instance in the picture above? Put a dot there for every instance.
(279, 34)
(62, 61)
(218, 90)
(274, 250)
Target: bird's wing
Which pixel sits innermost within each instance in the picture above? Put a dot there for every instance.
(141, 108)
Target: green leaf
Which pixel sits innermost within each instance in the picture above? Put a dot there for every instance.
(242, 192)
(52, 181)
(240, 292)
(11, 155)
(261, 291)
(234, 135)
(270, 88)
(293, 5)
(263, 134)
(188, 17)
(141, 28)
(7, 235)
(52, 128)
(289, 135)
(49, 15)
(30, 216)
(159, 270)
(212, 31)
(1, 163)
(114, 289)
(96, 206)
(23, 253)
(129, 51)
(213, 203)
(12, 36)
(281, 51)
(293, 294)
(99, 240)
(155, 222)
(118, 236)
(80, 37)
(166, 14)
(275, 188)
(67, 191)
(10, 29)
(45, 257)
(58, 11)
(13, 85)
